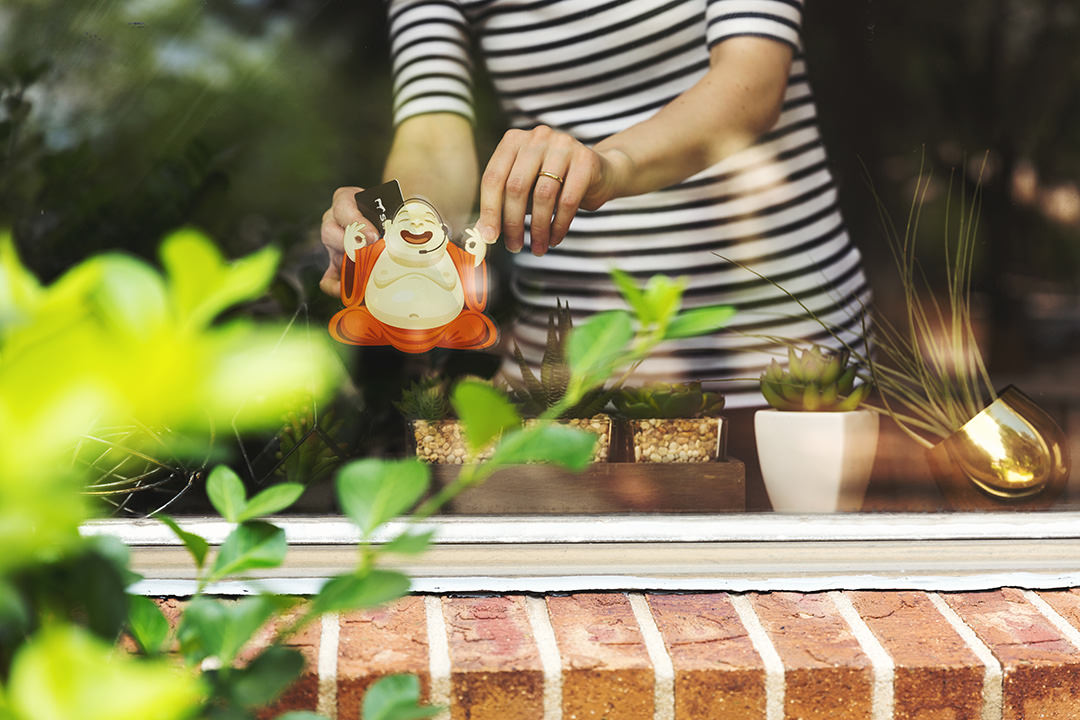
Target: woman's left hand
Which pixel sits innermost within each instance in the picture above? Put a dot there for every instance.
(560, 175)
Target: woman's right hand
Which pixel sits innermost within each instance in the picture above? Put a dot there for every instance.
(343, 213)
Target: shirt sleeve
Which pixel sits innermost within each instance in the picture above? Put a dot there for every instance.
(429, 51)
(777, 19)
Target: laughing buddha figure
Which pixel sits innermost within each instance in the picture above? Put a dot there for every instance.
(413, 289)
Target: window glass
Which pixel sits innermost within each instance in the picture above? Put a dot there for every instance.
(123, 120)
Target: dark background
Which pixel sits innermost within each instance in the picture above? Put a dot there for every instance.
(121, 120)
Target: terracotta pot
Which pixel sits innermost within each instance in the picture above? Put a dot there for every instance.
(1011, 455)
(665, 440)
(816, 461)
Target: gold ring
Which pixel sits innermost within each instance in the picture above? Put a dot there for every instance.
(553, 176)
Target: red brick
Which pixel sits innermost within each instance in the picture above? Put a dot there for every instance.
(1041, 669)
(495, 667)
(304, 693)
(718, 674)
(376, 643)
(937, 677)
(828, 676)
(1066, 603)
(606, 667)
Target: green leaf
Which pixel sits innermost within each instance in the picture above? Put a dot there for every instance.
(484, 411)
(216, 628)
(699, 321)
(547, 442)
(147, 624)
(130, 295)
(373, 491)
(265, 677)
(196, 545)
(203, 284)
(663, 296)
(271, 500)
(19, 289)
(358, 591)
(396, 697)
(253, 544)
(596, 345)
(632, 294)
(65, 672)
(409, 543)
(226, 493)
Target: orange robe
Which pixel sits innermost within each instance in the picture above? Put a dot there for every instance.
(355, 325)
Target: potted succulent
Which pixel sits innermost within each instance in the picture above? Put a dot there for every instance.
(533, 395)
(815, 446)
(438, 435)
(671, 422)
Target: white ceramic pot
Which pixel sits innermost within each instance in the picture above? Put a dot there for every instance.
(816, 461)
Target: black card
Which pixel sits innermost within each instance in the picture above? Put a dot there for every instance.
(380, 203)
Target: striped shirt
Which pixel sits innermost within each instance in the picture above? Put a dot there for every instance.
(594, 67)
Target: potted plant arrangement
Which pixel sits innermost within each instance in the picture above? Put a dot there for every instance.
(815, 446)
(534, 395)
(984, 446)
(438, 435)
(671, 422)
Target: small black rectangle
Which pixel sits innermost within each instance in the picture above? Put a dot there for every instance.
(380, 203)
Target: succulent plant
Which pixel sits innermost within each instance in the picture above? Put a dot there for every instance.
(426, 399)
(667, 400)
(534, 395)
(814, 381)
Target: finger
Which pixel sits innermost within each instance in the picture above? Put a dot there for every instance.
(578, 179)
(344, 207)
(493, 186)
(546, 192)
(331, 280)
(519, 186)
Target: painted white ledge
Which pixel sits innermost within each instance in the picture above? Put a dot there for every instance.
(691, 552)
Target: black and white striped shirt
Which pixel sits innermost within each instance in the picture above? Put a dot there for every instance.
(594, 67)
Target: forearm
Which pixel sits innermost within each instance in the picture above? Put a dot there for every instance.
(434, 157)
(737, 100)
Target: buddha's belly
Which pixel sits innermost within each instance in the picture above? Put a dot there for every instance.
(414, 302)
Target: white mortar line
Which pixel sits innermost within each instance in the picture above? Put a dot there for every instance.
(544, 634)
(1048, 611)
(992, 679)
(438, 655)
(328, 666)
(775, 685)
(882, 697)
(663, 670)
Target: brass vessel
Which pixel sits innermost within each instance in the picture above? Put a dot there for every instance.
(1011, 450)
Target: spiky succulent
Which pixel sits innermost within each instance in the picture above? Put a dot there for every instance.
(667, 400)
(426, 399)
(814, 381)
(533, 395)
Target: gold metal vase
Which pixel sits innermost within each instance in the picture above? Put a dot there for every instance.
(1010, 452)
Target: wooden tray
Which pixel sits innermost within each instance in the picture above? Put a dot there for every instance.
(602, 488)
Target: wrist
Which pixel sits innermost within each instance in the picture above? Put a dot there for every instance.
(619, 172)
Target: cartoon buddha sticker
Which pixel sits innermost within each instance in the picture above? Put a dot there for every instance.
(413, 289)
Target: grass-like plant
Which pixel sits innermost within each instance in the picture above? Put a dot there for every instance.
(927, 368)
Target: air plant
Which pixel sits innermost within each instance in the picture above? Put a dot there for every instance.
(928, 370)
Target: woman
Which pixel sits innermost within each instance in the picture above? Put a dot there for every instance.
(649, 135)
